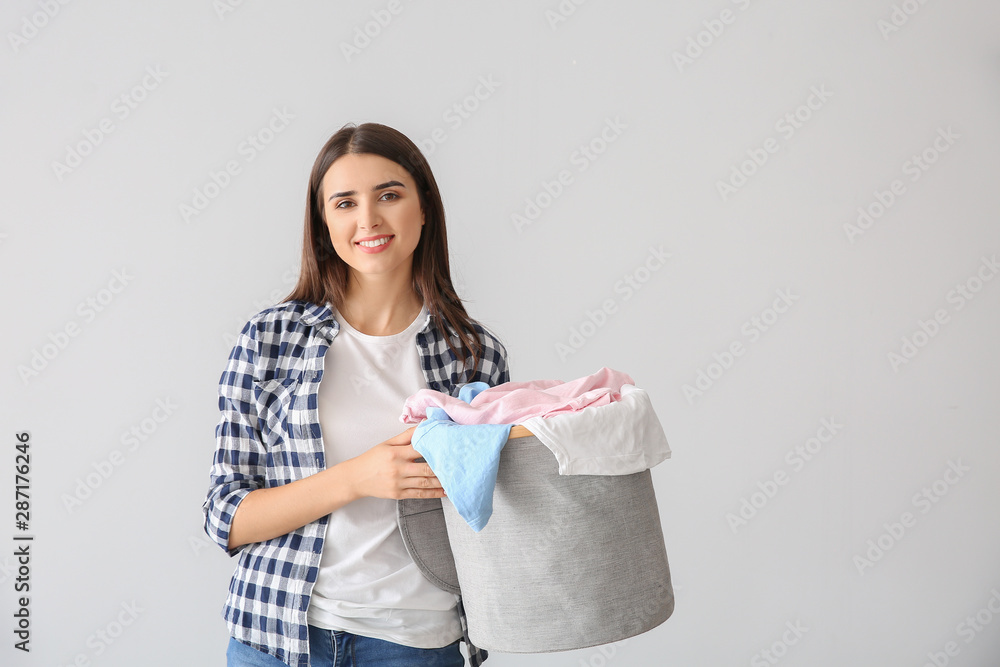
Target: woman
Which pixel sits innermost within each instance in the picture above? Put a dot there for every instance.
(299, 489)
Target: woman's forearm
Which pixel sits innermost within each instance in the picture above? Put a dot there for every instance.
(267, 513)
(387, 470)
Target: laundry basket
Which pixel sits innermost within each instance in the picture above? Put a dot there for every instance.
(565, 562)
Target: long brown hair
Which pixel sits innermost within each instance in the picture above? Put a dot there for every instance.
(324, 274)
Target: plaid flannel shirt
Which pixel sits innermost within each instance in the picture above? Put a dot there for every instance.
(269, 434)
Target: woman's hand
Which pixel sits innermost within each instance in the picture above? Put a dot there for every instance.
(387, 470)
(390, 470)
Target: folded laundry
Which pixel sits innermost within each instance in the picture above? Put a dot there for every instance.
(513, 402)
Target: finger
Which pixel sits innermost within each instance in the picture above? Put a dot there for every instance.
(410, 454)
(406, 436)
(421, 483)
(419, 470)
(424, 493)
(424, 483)
(402, 438)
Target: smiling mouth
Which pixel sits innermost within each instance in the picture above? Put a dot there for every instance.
(376, 243)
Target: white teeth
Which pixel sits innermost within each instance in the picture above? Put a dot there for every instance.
(376, 243)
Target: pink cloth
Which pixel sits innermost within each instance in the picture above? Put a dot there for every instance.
(513, 402)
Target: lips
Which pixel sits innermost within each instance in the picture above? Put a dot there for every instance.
(375, 238)
(374, 243)
(372, 239)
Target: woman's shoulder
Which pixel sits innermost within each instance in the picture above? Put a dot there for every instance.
(276, 339)
(493, 361)
(490, 340)
(492, 365)
(286, 316)
(487, 337)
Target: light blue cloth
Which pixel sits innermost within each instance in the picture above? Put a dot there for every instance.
(464, 457)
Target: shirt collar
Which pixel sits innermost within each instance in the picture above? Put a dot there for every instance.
(316, 314)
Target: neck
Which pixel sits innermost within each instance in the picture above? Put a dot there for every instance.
(380, 305)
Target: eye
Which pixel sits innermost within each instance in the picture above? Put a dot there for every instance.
(391, 195)
(345, 201)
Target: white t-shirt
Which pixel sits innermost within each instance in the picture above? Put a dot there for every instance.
(368, 584)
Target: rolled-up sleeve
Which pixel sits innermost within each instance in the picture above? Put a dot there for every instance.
(495, 360)
(503, 370)
(240, 462)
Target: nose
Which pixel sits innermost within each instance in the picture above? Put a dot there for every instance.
(368, 216)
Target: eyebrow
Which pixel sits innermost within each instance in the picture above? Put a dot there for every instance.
(380, 186)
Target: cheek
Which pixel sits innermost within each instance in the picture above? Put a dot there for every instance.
(335, 233)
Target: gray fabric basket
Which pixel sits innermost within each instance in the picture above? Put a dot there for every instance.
(565, 562)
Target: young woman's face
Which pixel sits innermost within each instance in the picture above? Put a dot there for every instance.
(372, 209)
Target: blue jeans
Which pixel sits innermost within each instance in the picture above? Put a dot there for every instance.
(332, 648)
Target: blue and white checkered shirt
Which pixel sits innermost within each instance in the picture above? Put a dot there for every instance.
(269, 434)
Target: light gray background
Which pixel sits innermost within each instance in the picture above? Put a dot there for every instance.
(137, 538)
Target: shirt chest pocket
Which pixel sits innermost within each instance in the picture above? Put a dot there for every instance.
(276, 400)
